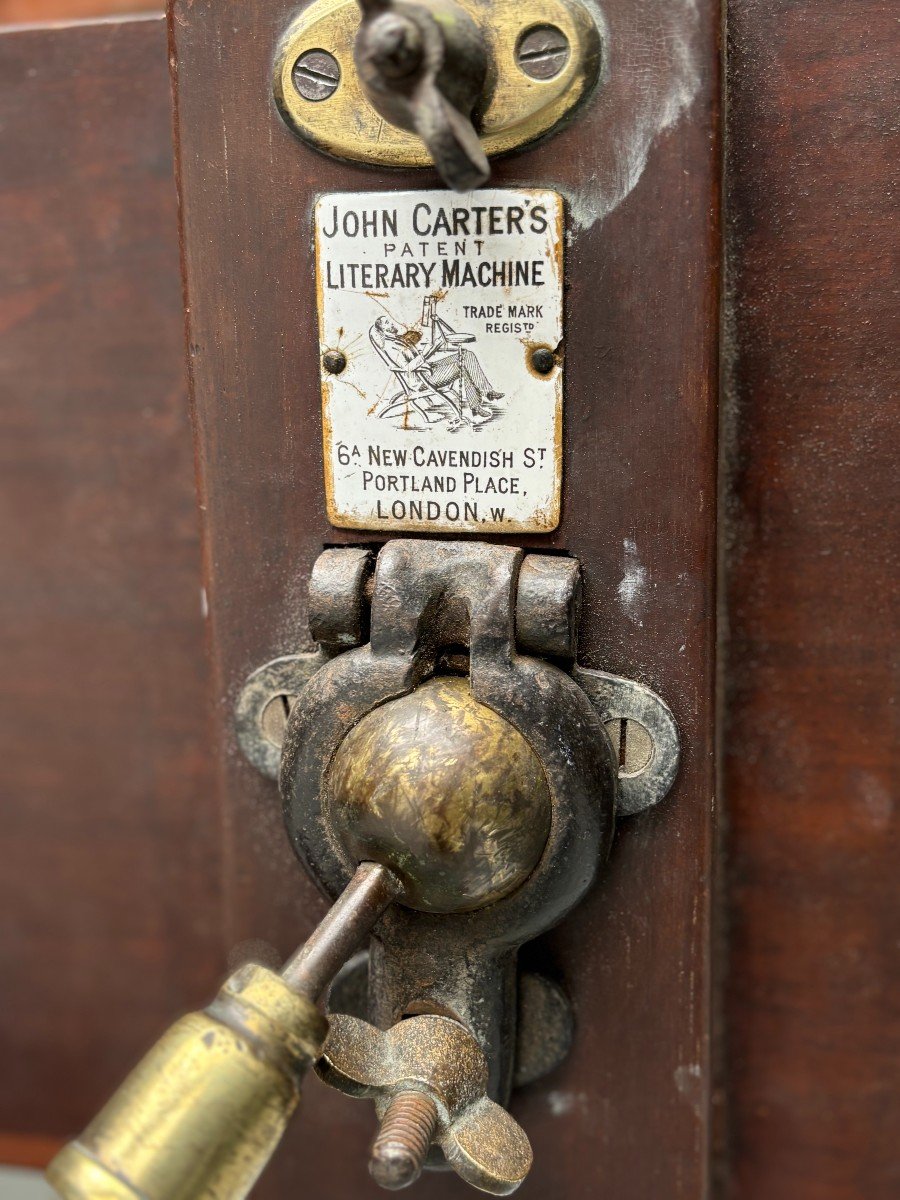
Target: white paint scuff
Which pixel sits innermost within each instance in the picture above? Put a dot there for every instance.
(650, 78)
(563, 1103)
(632, 588)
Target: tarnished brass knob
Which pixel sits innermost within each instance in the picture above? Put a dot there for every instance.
(428, 1078)
(446, 793)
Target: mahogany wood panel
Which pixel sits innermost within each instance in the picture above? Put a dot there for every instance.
(628, 1114)
(31, 11)
(811, 762)
(109, 884)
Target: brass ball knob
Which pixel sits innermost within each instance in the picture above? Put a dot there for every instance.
(446, 793)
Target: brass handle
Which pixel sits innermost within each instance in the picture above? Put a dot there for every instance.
(202, 1113)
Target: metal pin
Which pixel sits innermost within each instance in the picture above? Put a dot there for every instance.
(343, 928)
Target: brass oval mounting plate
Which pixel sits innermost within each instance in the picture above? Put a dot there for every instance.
(517, 110)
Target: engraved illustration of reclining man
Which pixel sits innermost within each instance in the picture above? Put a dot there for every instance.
(424, 371)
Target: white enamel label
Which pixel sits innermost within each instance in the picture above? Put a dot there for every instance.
(439, 420)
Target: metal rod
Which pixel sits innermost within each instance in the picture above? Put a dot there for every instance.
(351, 917)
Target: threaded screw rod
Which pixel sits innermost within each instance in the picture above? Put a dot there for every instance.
(402, 1143)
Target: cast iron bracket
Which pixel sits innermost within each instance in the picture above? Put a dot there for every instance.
(486, 611)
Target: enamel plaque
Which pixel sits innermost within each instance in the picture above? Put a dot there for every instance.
(440, 319)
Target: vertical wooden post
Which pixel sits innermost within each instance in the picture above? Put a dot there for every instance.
(629, 1114)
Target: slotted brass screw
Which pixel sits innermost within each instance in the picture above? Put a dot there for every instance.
(403, 1141)
(542, 52)
(316, 75)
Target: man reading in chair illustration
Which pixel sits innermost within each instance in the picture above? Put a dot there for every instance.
(444, 369)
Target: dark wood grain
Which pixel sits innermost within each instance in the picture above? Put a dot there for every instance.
(811, 763)
(21, 12)
(109, 887)
(628, 1115)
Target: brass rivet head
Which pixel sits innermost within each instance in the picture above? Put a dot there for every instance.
(543, 360)
(316, 75)
(542, 51)
(334, 361)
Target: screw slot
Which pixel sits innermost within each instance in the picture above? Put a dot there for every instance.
(316, 75)
(542, 52)
(274, 718)
(634, 746)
